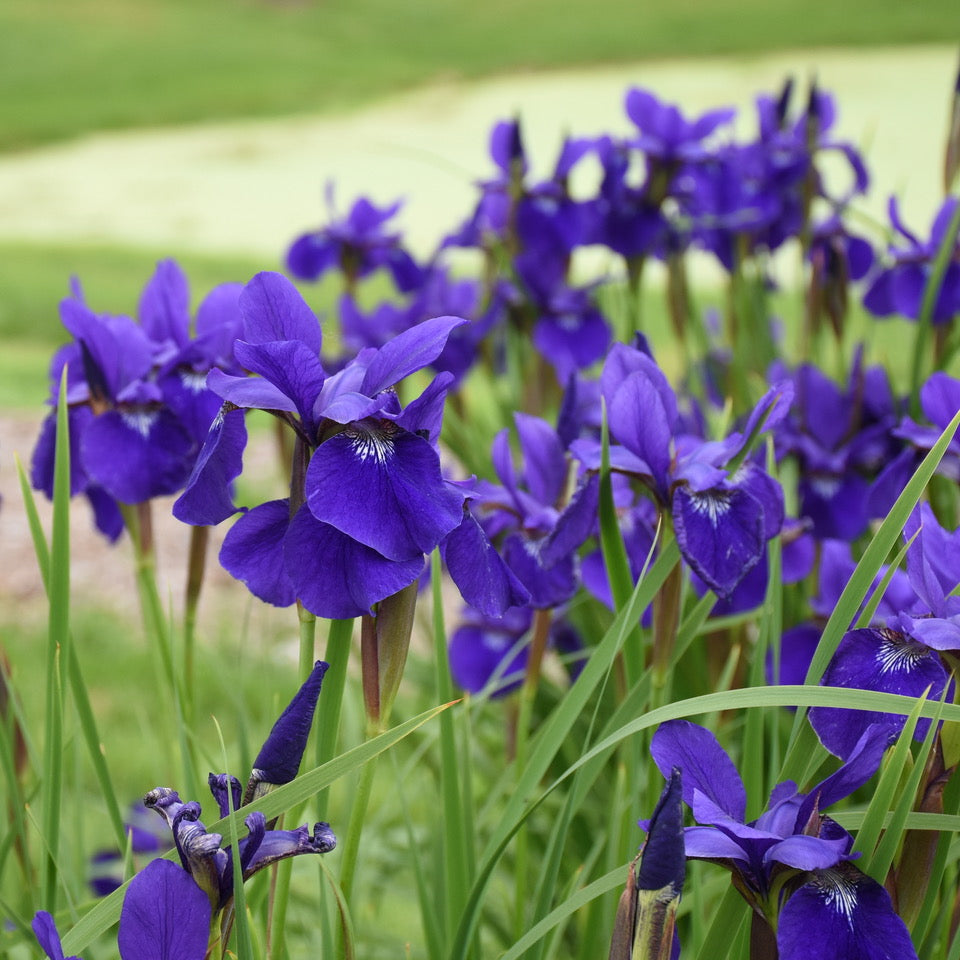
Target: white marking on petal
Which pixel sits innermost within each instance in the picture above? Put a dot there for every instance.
(838, 892)
(825, 487)
(193, 380)
(141, 421)
(896, 653)
(712, 505)
(373, 443)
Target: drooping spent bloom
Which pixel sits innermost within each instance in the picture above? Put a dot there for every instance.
(139, 407)
(792, 864)
(201, 854)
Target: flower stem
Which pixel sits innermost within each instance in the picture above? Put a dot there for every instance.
(196, 564)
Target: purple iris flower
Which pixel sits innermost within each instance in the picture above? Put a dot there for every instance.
(201, 855)
(164, 914)
(169, 910)
(791, 864)
(139, 407)
(902, 656)
(898, 287)
(369, 499)
(357, 244)
(939, 402)
(486, 649)
(724, 507)
(145, 838)
(841, 439)
(541, 529)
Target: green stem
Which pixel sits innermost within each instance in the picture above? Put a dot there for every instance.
(358, 814)
(196, 564)
(528, 693)
(139, 523)
(337, 654)
(308, 629)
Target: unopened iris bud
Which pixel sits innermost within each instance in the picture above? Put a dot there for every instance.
(646, 915)
(279, 758)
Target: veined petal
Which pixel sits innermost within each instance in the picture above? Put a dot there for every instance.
(841, 914)
(337, 577)
(206, 499)
(382, 486)
(703, 763)
(253, 552)
(136, 455)
(408, 352)
(254, 393)
(720, 534)
(273, 309)
(872, 659)
(808, 853)
(165, 916)
(289, 365)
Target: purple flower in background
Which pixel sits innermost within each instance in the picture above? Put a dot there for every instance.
(841, 439)
(903, 656)
(723, 514)
(790, 847)
(485, 650)
(139, 407)
(898, 287)
(357, 245)
(145, 838)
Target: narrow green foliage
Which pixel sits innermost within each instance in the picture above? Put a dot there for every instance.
(457, 828)
(58, 649)
(893, 774)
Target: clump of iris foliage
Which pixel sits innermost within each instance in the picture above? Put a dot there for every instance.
(717, 591)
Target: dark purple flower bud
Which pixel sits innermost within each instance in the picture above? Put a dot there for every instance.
(279, 757)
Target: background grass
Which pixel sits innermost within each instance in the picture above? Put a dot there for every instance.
(68, 66)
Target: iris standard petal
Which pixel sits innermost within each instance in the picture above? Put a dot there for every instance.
(273, 309)
(703, 763)
(408, 352)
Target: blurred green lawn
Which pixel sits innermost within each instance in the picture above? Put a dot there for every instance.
(67, 66)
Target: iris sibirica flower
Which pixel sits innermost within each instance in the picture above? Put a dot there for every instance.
(792, 864)
(139, 407)
(170, 910)
(898, 286)
(903, 656)
(840, 437)
(368, 498)
(357, 245)
(724, 507)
